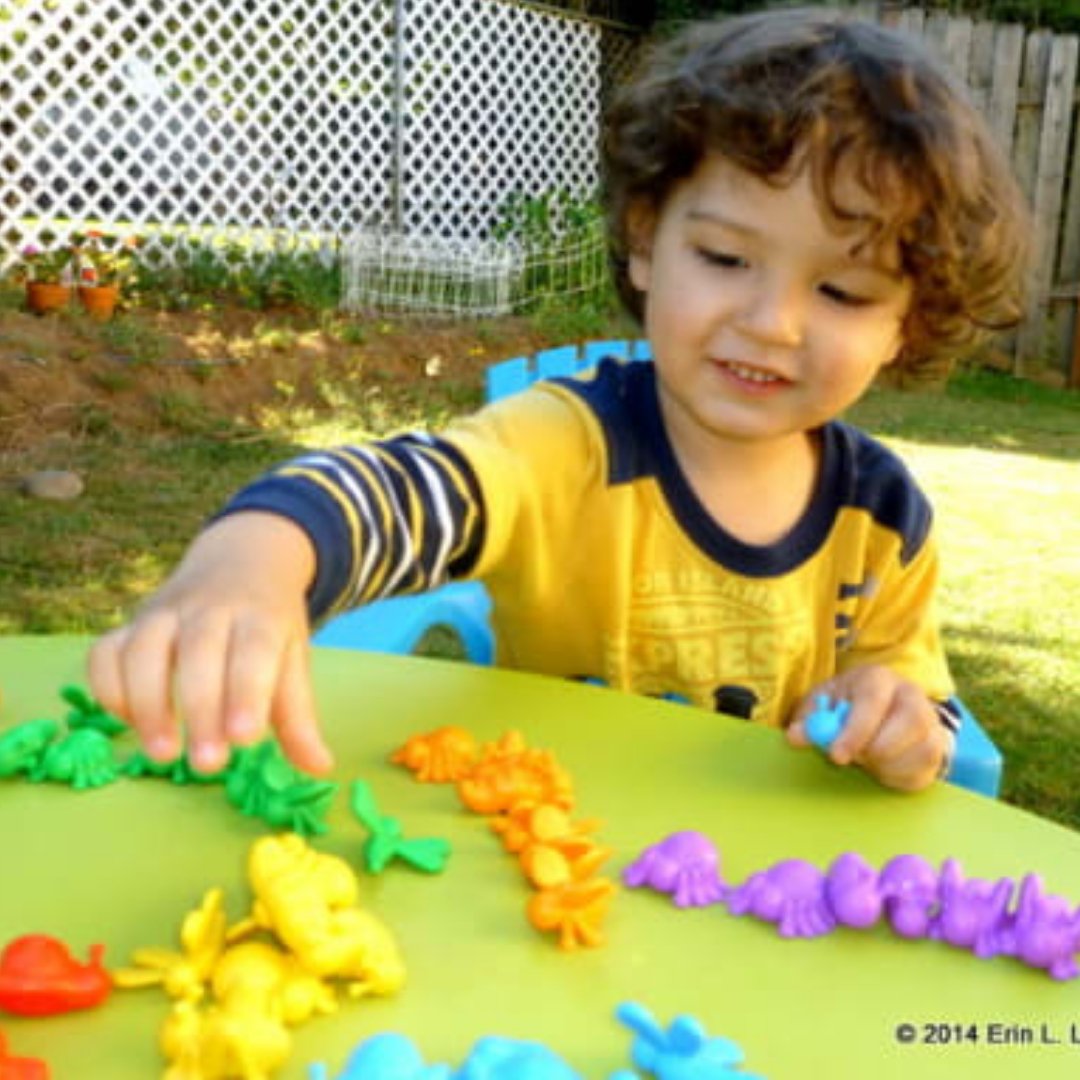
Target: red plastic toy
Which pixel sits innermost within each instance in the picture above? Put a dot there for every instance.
(16, 1068)
(39, 977)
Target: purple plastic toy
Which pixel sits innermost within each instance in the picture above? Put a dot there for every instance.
(1044, 932)
(852, 893)
(684, 864)
(790, 894)
(909, 889)
(971, 911)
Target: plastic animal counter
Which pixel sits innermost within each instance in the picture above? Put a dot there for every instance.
(683, 1052)
(20, 1068)
(529, 796)
(39, 977)
(917, 901)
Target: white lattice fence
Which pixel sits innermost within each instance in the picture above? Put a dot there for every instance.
(179, 113)
(497, 98)
(539, 79)
(260, 116)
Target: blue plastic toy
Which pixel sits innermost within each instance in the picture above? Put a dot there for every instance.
(824, 724)
(683, 1052)
(388, 1056)
(496, 1058)
(395, 1057)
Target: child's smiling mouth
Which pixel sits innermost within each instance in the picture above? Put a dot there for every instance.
(750, 379)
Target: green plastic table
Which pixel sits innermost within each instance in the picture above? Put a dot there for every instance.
(121, 865)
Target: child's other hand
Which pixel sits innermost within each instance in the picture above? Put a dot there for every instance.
(224, 644)
(892, 731)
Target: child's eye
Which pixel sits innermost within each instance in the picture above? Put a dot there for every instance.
(842, 296)
(720, 258)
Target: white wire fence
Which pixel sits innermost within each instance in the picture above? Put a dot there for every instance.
(430, 276)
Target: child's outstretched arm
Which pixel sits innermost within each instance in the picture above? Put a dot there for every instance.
(893, 730)
(224, 645)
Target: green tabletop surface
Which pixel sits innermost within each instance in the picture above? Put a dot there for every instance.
(122, 864)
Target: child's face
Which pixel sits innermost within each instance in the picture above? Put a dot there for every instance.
(764, 320)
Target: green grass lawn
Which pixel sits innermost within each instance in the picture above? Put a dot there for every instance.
(1000, 459)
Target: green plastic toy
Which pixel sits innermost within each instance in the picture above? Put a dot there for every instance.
(83, 758)
(23, 746)
(179, 770)
(261, 783)
(87, 713)
(387, 842)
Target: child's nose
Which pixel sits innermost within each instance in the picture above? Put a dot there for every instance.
(774, 314)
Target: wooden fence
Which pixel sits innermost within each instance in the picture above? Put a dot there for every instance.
(1025, 83)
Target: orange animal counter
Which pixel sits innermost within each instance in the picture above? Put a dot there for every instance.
(122, 864)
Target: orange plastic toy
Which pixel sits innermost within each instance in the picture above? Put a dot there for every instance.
(576, 910)
(551, 848)
(509, 773)
(17, 1068)
(438, 756)
(39, 977)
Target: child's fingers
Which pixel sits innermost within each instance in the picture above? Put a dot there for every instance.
(795, 732)
(907, 749)
(915, 766)
(202, 640)
(870, 698)
(293, 714)
(103, 671)
(145, 662)
(256, 659)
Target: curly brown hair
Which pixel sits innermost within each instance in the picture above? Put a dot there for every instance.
(779, 90)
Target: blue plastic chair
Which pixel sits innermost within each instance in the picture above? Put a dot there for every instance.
(398, 624)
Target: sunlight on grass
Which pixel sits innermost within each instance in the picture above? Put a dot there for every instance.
(1009, 530)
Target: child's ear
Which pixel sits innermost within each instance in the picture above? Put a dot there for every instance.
(640, 226)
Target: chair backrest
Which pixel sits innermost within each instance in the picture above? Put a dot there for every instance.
(510, 376)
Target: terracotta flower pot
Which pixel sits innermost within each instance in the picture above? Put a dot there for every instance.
(45, 296)
(99, 300)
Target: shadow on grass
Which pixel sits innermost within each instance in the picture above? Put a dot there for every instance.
(1027, 720)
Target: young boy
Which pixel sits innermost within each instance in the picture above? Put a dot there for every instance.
(797, 201)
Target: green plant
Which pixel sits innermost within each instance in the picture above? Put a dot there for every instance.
(290, 275)
(103, 258)
(134, 342)
(563, 242)
(349, 333)
(42, 264)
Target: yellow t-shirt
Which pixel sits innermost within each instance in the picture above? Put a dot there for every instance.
(567, 502)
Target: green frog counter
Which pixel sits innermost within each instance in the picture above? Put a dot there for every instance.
(121, 864)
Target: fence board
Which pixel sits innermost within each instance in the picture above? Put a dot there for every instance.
(1068, 268)
(1005, 90)
(912, 20)
(981, 66)
(1048, 182)
(956, 45)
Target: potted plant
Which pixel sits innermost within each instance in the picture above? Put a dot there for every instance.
(104, 262)
(47, 276)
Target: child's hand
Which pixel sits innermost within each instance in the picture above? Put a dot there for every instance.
(892, 731)
(228, 635)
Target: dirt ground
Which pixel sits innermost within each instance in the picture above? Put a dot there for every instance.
(62, 374)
